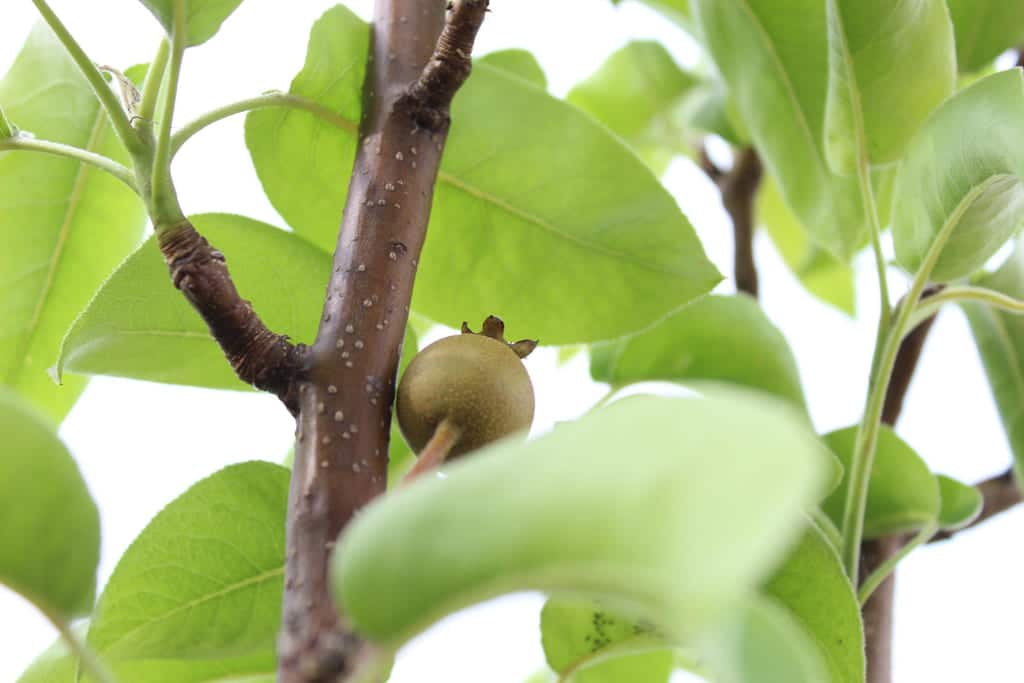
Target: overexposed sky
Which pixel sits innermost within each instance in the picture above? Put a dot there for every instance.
(958, 603)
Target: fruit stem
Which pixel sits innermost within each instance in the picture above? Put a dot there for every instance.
(436, 451)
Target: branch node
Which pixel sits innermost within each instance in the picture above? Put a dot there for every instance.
(259, 357)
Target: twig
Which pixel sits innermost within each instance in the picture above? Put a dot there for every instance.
(345, 402)
(259, 357)
(739, 187)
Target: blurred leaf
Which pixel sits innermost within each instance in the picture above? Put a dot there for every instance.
(204, 579)
(711, 339)
(890, 64)
(64, 225)
(962, 173)
(579, 634)
(820, 273)
(999, 337)
(589, 217)
(139, 326)
(517, 62)
(775, 65)
(767, 645)
(555, 531)
(813, 587)
(202, 17)
(707, 108)
(50, 535)
(637, 93)
(985, 29)
(961, 503)
(903, 495)
(676, 10)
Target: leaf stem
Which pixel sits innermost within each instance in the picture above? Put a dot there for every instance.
(165, 210)
(867, 192)
(86, 657)
(29, 144)
(154, 77)
(980, 295)
(276, 99)
(6, 129)
(867, 434)
(882, 572)
(106, 96)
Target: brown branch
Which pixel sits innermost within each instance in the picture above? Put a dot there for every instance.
(998, 494)
(345, 404)
(261, 358)
(739, 187)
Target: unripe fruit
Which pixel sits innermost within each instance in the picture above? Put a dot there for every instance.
(475, 383)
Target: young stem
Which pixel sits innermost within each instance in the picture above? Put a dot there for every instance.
(867, 433)
(435, 452)
(106, 96)
(83, 653)
(279, 99)
(164, 199)
(981, 295)
(20, 142)
(154, 78)
(882, 572)
(6, 129)
(867, 192)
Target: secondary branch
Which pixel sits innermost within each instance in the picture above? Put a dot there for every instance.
(739, 189)
(419, 58)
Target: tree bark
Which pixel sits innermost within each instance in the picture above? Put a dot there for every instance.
(739, 188)
(346, 394)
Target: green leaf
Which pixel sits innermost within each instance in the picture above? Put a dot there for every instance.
(676, 10)
(890, 64)
(999, 337)
(555, 531)
(961, 503)
(516, 62)
(707, 340)
(637, 93)
(579, 635)
(57, 665)
(903, 495)
(202, 17)
(775, 65)
(707, 108)
(985, 29)
(767, 645)
(529, 188)
(814, 588)
(819, 272)
(962, 177)
(204, 579)
(646, 667)
(50, 535)
(139, 326)
(64, 225)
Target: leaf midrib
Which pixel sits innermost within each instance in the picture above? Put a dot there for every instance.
(73, 203)
(226, 590)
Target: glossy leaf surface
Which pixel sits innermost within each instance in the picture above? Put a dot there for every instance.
(587, 217)
(903, 495)
(50, 529)
(64, 225)
(962, 175)
(554, 531)
(140, 326)
(774, 60)
(204, 579)
(813, 587)
(890, 65)
(708, 340)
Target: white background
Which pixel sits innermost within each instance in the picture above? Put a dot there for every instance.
(959, 603)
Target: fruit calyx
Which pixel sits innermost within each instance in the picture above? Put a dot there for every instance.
(494, 327)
